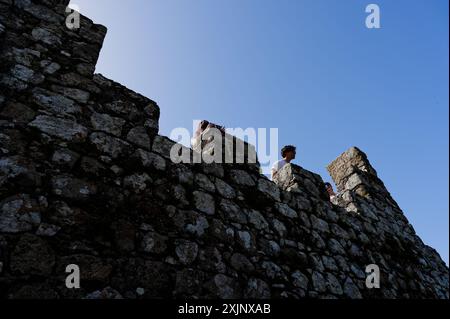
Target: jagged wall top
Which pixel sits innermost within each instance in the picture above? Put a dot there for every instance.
(85, 179)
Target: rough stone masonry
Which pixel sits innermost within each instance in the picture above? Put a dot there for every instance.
(85, 179)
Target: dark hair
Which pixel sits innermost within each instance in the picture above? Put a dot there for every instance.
(204, 124)
(287, 148)
(328, 185)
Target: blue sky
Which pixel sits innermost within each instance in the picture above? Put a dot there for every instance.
(309, 68)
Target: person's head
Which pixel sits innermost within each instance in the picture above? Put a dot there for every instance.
(201, 128)
(203, 125)
(288, 152)
(329, 188)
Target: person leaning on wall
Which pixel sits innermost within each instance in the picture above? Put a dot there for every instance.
(196, 141)
(288, 154)
(331, 193)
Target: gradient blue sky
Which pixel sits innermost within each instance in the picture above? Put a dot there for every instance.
(308, 67)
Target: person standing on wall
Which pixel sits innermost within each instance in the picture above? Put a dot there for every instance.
(331, 193)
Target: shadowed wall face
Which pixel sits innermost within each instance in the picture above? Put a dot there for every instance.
(85, 179)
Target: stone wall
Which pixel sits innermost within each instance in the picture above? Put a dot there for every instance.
(85, 179)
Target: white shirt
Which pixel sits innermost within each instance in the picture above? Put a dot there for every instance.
(333, 199)
(277, 166)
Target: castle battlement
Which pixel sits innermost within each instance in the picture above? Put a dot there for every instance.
(86, 179)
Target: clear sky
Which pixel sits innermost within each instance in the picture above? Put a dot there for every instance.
(309, 68)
